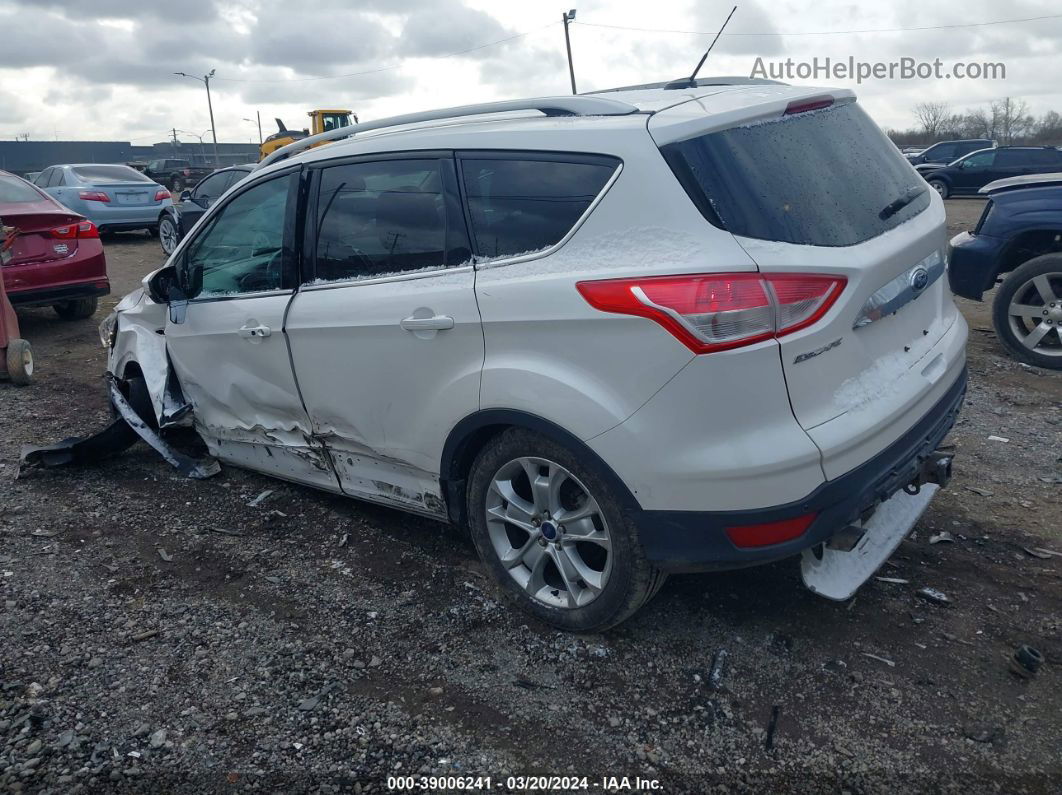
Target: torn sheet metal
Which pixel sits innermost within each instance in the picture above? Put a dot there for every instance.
(79, 450)
(200, 469)
(837, 574)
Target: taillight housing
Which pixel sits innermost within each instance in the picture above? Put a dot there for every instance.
(710, 312)
(161, 194)
(93, 196)
(80, 230)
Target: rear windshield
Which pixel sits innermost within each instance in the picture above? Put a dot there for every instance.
(820, 178)
(15, 191)
(118, 173)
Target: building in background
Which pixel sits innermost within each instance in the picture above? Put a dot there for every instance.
(23, 157)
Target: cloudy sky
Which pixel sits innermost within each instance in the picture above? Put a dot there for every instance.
(103, 69)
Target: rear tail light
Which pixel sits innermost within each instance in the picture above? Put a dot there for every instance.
(717, 311)
(81, 230)
(764, 535)
(161, 194)
(94, 196)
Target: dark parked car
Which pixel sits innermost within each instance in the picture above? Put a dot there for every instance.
(947, 151)
(176, 174)
(971, 173)
(57, 259)
(175, 221)
(1020, 234)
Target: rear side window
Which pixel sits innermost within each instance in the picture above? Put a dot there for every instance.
(15, 191)
(380, 218)
(944, 152)
(820, 178)
(520, 204)
(104, 173)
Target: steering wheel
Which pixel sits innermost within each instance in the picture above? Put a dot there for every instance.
(267, 277)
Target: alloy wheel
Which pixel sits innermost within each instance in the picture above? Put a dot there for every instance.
(1035, 314)
(549, 532)
(168, 235)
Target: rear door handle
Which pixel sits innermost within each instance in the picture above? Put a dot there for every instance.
(436, 323)
(255, 332)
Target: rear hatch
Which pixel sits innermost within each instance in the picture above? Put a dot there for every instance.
(811, 185)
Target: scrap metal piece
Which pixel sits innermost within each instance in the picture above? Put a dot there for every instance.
(111, 440)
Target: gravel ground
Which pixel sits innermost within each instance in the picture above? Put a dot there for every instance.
(163, 635)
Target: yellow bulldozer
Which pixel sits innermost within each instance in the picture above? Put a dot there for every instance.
(320, 121)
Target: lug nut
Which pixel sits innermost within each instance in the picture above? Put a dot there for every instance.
(542, 541)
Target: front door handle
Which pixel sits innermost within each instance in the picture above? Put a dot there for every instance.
(255, 332)
(435, 323)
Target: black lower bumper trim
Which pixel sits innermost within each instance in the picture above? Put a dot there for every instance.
(697, 540)
(57, 295)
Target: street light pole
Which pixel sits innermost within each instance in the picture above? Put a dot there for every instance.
(205, 80)
(258, 114)
(567, 17)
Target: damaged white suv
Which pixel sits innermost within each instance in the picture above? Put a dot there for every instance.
(617, 335)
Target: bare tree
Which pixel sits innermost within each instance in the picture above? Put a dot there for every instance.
(1048, 129)
(1012, 119)
(932, 116)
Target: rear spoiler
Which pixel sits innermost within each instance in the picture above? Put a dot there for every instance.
(1027, 181)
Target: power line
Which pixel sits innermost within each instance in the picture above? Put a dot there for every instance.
(826, 32)
(383, 68)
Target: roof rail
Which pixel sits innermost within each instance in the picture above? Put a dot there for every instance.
(551, 106)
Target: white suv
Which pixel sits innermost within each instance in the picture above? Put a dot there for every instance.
(617, 335)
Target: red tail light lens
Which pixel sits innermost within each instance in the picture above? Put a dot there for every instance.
(764, 535)
(161, 194)
(82, 230)
(719, 311)
(803, 106)
(93, 196)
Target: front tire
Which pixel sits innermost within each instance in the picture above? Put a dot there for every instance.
(940, 186)
(1027, 312)
(79, 309)
(554, 535)
(169, 236)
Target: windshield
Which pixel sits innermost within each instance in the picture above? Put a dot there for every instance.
(819, 178)
(109, 174)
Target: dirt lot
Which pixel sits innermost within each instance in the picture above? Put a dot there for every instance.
(160, 634)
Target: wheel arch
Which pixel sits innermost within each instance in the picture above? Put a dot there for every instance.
(1027, 245)
(475, 431)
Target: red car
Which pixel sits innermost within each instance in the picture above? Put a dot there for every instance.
(57, 259)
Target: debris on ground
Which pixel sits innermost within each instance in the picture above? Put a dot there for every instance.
(260, 498)
(772, 725)
(1026, 661)
(934, 596)
(998, 439)
(885, 660)
(715, 676)
(893, 580)
(943, 537)
(979, 491)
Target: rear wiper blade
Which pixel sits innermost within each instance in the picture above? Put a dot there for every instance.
(893, 207)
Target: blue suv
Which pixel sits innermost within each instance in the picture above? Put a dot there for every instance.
(1020, 234)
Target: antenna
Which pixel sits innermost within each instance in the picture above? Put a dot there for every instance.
(691, 81)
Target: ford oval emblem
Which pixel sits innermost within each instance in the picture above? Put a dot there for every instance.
(919, 279)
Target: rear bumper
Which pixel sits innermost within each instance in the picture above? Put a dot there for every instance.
(46, 296)
(697, 540)
(973, 264)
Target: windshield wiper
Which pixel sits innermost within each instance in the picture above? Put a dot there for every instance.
(890, 209)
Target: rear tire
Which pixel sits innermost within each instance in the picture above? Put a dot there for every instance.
(571, 584)
(19, 361)
(1027, 312)
(79, 309)
(940, 186)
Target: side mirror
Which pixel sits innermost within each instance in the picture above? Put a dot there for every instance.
(158, 286)
(186, 195)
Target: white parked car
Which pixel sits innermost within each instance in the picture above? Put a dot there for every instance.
(617, 335)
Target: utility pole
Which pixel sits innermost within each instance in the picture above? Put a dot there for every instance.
(175, 142)
(205, 80)
(258, 114)
(566, 18)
